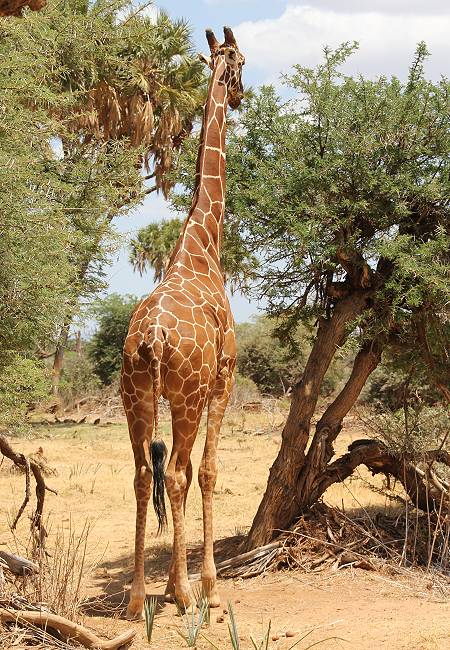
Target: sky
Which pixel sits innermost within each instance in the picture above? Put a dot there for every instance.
(274, 35)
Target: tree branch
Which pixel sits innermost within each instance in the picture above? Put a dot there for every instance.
(67, 629)
(378, 459)
(41, 487)
(330, 424)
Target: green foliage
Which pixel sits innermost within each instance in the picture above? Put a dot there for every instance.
(23, 381)
(78, 378)
(113, 314)
(395, 382)
(88, 92)
(349, 165)
(244, 390)
(414, 429)
(272, 366)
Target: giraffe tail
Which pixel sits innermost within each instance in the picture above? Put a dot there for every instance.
(158, 451)
(159, 454)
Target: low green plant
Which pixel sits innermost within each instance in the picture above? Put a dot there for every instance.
(264, 643)
(192, 623)
(232, 629)
(201, 600)
(149, 612)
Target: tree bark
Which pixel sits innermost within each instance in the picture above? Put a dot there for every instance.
(321, 450)
(280, 504)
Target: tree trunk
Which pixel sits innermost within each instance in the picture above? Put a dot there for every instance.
(310, 486)
(58, 362)
(280, 504)
(78, 348)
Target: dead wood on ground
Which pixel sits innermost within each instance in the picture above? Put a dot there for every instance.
(31, 467)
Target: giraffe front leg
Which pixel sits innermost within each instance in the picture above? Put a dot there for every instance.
(207, 476)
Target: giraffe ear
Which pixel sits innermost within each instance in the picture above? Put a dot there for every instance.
(212, 41)
(204, 59)
(229, 37)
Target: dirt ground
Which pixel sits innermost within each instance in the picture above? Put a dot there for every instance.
(345, 609)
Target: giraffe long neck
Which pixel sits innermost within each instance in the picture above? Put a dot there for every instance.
(204, 224)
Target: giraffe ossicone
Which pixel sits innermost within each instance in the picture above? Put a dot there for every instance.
(181, 345)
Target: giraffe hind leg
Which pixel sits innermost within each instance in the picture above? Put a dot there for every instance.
(207, 476)
(142, 489)
(169, 593)
(185, 423)
(139, 413)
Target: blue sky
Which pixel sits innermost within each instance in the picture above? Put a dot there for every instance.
(274, 35)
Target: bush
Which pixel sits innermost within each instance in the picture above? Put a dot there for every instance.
(263, 358)
(78, 378)
(396, 381)
(245, 390)
(23, 382)
(274, 365)
(105, 350)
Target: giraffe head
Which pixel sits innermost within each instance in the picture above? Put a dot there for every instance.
(234, 60)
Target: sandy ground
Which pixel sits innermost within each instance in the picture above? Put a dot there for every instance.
(346, 609)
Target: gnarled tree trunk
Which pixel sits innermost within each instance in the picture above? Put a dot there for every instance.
(294, 474)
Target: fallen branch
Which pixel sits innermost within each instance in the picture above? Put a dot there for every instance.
(27, 493)
(68, 630)
(18, 565)
(242, 559)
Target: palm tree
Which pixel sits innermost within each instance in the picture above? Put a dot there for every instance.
(153, 247)
(141, 82)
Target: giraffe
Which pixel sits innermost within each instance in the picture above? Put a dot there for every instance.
(181, 344)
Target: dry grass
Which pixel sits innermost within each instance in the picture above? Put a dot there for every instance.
(95, 480)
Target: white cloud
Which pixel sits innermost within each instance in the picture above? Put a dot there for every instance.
(419, 7)
(387, 42)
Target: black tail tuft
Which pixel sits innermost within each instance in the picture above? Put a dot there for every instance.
(159, 454)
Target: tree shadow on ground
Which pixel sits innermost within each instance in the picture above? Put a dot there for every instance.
(112, 577)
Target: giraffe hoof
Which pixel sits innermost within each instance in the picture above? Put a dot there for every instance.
(214, 600)
(135, 613)
(185, 601)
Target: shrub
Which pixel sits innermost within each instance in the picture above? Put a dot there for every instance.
(23, 382)
(105, 350)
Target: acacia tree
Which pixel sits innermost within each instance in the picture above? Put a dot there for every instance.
(341, 194)
(129, 86)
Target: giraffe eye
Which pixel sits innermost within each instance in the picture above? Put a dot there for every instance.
(230, 56)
